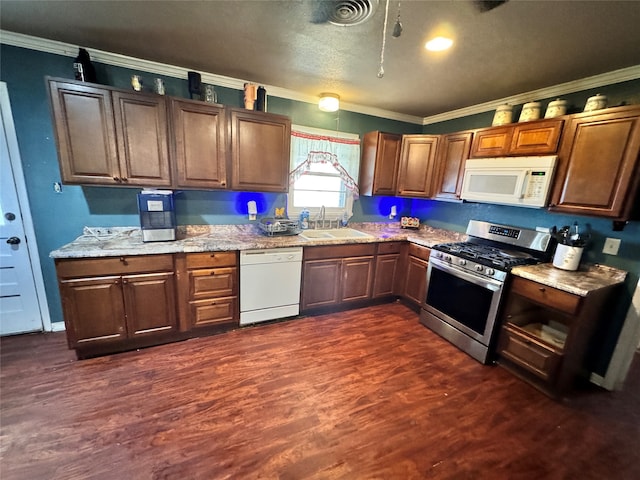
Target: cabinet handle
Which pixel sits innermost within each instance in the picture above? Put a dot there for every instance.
(123, 260)
(542, 289)
(212, 273)
(212, 303)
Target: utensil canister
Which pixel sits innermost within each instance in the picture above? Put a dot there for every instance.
(567, 257)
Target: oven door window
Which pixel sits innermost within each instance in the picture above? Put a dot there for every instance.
(468, 303)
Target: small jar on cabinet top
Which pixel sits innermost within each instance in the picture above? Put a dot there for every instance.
(503, 115)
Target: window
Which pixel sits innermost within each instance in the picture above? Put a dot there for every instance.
(324, 171)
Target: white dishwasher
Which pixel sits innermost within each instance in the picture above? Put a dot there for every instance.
(269, 284)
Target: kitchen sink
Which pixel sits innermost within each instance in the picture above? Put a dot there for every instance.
(333, 234)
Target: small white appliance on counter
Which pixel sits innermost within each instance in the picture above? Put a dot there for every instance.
(519, 181)
(157, 215)
(269, 284)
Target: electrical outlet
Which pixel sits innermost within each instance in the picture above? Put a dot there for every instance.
(611, 246)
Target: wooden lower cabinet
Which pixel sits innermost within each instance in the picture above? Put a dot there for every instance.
(337, 275)
(208, 290)
(116, 303)
(387, 273)
(546, 332)
(415, 279)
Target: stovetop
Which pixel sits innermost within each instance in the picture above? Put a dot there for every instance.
(491, 256)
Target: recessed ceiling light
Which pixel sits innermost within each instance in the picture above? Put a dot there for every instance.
(438, 44)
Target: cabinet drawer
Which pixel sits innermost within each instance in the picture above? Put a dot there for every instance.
(215, 282)
(355, 250)
(419, 251)
(532, 356)
(92, 267)
(548, 296)
(389, 247)
(206, 313)
(212, 259)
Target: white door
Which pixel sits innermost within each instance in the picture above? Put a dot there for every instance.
(19, 307)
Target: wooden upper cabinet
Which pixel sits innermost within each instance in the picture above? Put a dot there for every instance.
(453, 151)
(85, 133)
(491, 142)
(110, 137)
(599, 166)
(199, 131)
(538, 137)
(143, 143)
(379, 163)
(417, 163)
(260, 151)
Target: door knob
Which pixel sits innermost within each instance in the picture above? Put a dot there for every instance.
(13, 241)
(10, 216)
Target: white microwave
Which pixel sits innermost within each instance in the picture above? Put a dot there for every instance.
(520, 181)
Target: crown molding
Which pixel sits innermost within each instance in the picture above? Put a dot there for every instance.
(609, 78)
(115, 59)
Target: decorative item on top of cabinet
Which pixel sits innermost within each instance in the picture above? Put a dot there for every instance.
(208, 290)
(260, 151)
(379, 163)
(546, 333)
(335, 276)
(599, 165)
(107, 136)
(117, 303)
(417, 165)
(538, 137)
(199, 144)
(453, 151)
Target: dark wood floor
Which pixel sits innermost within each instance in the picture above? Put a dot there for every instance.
(365, 394)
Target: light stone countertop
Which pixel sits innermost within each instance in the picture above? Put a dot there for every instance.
(120, 241)
(587, 279)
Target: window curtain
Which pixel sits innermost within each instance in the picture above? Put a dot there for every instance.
(343, 152)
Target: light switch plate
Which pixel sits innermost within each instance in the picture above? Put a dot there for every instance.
(611, 246)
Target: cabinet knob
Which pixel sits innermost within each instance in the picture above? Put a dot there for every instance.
(124, 281)
(116, 282)
(13, 241)
(123, 260)
(223, 183)
(116, 179)
(125, 179)
(542, 289)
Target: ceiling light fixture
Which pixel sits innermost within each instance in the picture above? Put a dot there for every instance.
(329, 102)
(438, 44)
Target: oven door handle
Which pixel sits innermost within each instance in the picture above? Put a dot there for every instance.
(488, 283)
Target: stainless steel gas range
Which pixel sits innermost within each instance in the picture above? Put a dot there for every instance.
(465, 282)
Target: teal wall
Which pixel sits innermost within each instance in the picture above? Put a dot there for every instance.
(59, 218)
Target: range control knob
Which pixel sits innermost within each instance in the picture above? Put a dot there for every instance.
(479, 268)
(490, 271)
(447, 258)
(438, 254)
(462, 261)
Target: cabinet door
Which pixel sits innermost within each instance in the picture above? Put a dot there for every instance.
(415, 285)
(417, 162)
(385, 276)
(379, 163)
(598, 173)
(357, 278)
(85, 133)
(320, 283)
(93, 310)
(150, 303)
(199, 138)
(143, 146)
(260, 151)
(536, 138)
(453, 151)
(491, 142)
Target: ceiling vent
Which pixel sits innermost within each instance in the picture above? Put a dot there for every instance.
(351, 12)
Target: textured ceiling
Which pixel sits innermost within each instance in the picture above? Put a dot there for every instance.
(517, 47)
